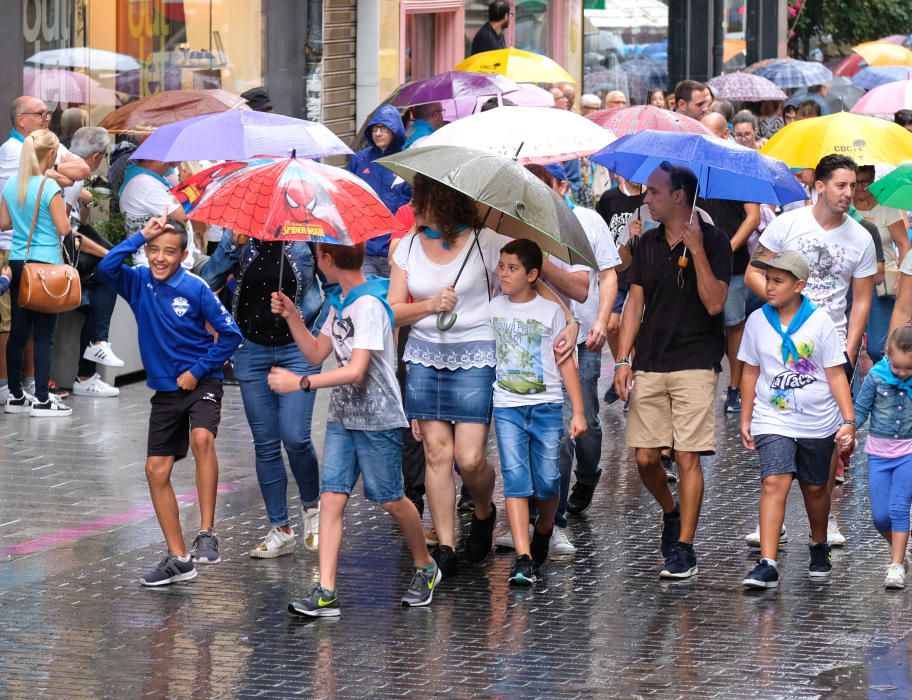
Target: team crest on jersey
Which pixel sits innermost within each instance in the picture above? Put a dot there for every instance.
(180, 306)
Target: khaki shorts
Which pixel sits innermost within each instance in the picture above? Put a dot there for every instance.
(673, 409)
(6, 310)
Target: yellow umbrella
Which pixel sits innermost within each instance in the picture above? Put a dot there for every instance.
(882, 53)
(519, 66)
(867, 140)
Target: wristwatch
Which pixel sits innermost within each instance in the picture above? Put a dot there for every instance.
(304, 384)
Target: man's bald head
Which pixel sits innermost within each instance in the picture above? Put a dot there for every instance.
(28, 114)
(560, 99)
(569, 92)
(615, 99)
(716, 123)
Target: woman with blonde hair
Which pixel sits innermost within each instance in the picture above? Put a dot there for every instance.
(30, 195)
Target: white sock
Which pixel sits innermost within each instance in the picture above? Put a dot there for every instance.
(772, 563)
(184, 559)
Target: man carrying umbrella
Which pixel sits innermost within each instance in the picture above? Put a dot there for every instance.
(672, 331)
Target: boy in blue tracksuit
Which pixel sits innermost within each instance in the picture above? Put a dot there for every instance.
(384, 135)
(184, 366)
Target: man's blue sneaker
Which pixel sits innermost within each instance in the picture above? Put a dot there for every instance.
(318, 603)
(733, 400)
(764, 575)
(680, 563)
(820, 566)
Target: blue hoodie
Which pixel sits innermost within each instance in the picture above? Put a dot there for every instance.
(379, 178)
(171, 317)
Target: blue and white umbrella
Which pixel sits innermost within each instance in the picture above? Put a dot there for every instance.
(871, 77)
(791, 73)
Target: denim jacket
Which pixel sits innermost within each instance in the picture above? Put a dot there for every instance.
(890, 409)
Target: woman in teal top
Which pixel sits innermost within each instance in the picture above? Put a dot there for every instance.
(17, 207)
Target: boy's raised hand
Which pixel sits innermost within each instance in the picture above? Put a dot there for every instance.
(282, 381)
(156, 226)
(281, 305)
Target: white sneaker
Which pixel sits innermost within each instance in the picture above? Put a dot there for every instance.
(753, 538)
(4, 393)
(834, 537)
(28, 385)
(505, 541)
(19, 404)
(896, 576)
(94, 386)
(560, 544)
(310, 527)
(52, 408)
(102, 354)
(275, 545)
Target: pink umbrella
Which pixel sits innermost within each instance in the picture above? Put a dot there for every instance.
(65, 86)
(632, 120)
(528, 95)
(886, 100)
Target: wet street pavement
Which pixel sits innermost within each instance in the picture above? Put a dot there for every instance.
(77, 530)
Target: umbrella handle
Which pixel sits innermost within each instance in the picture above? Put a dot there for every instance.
(444, 323)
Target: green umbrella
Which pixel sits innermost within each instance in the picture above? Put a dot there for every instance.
(510, 199)
(895, 188)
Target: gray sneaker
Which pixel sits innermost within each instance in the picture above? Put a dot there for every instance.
(421, 589)
(169, 570)
(205, 548)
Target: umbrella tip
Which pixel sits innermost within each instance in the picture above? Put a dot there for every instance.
(516, 155)
(294, 152)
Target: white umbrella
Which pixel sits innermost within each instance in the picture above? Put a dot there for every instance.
(538, 134)
(84, 57)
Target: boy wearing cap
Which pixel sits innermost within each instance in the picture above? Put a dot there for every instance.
(796, 403)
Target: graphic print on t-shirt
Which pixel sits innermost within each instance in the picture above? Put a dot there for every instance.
(519, 361)
(826, 262)
(797, 375)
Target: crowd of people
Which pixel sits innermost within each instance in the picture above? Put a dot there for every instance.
(447, 328)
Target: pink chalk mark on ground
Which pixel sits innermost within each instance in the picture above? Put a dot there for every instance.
(107, 522)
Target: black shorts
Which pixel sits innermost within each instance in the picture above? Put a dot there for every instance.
(176, 413)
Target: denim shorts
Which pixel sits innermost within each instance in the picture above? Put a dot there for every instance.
(454, 395)
(807, 458)
(619, 300)
(736, 302)
(528, 440)
(374, 454)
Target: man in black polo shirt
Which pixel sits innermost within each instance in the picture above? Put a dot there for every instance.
(673, 325)
(490, 37)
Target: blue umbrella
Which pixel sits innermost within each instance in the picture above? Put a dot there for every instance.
(724, 169)
(648, 71)
(790, 73)
(875, 76)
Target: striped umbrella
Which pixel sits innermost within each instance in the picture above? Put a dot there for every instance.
(745, 87)
(874, 76)
(632, 120)
(791, 73)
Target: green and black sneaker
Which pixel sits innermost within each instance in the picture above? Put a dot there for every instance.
(421, 589)
(523, 571)
(318, 603)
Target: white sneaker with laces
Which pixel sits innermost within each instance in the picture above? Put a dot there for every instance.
(753, 538)
(54, 407)
(94, 386)
(102, 354)
(505, 541)
(834, 537)
(19, 404)
(896, 576)
(560, 544)
(310, 527)
(274, 545)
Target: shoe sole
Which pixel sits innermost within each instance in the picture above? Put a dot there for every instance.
(819, 575)
(521, 581)
(426, 601)
(96, 394)
(756, 583)
(190, 575)
(312, 548)
(322, 612)
(280, 552)
(51, 414)
(894, 586)
(205, 560)
(755, 544)
(17, 409)
(686, 574)
(578, 511)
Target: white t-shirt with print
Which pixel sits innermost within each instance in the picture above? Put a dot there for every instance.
(835, 257)
(793, 400)
(526, 372)
(376, 403)
(143, 198)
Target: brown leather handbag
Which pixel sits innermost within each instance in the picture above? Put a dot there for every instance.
(46, 287)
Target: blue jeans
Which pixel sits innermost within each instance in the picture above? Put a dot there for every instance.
(28, 324)
(98, 307)
(276, 420)
(374, 454)
(879, 325)
(528, 440)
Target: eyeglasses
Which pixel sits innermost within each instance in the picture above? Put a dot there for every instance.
(44, 114)
(744, 137)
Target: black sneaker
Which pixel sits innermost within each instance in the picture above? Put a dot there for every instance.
(732, 400)
(523, 572)
(680, 563)
(611, 395)
(580, 498)
(169, 570)
(205, 548)
(446, 560)
(671, 531)
(668, 466)
(820, 566)
(539, 545)
(466, 503)
(421, 588)
(317, 603)
(20, 404)
(764, 575)
(481, 537)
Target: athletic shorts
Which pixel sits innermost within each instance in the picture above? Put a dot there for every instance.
(176, 413)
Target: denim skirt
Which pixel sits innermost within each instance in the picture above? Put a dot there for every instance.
(454, 395)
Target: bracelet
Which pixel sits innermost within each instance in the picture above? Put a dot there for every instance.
(304, 384)
(849, 422)
(622, 363)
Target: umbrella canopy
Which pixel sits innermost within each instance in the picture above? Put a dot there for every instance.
(451, 85)
(745, 87)
(867, 140)
(724, 169)
(849, 66)
(519, 66)
(510, 199)
(842, 90)
(65, 86)
(239, 134)
(525, 95)
(886, 100)
(791, 73)
(84, 57)
(873, 76)
(146, 115)
(732, 48)
(884, 53)
(652, 73)
(632, 120)
(895, 188)
(293, 200)
(541, 135)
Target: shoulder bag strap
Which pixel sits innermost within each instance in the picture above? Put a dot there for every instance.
(34, 218)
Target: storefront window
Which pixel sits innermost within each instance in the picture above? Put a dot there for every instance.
(100, 54)
(534, 22)
(734, 50)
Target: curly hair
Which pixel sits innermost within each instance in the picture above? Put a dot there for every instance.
(445, 206)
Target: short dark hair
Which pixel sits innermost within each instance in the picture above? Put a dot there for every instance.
(830, 164)
(866, 169)
(745, 116)
(686, 88)
(903, 117)
(789, 108)
(491, 103)
(345, 257)
(901, 339)
(541, 173)
(809, 109)
(681, 178)
(180, 230)
(725, 108)
(528, 252)
(497, 10)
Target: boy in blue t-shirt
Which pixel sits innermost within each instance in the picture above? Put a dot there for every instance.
(528, 403)
(184, 366)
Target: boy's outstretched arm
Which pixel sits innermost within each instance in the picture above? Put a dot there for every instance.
(314, 348)
(282, 381)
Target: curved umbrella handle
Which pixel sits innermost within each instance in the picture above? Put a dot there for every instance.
(444, 323)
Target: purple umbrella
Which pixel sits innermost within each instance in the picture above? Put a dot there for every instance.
(237, 135)
(452, 86)
(745, 87)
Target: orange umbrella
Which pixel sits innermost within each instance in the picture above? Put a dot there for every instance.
(149, 113)
(731, 48)
(882, 53)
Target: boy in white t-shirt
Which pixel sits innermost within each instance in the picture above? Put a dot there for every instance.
(528, 403)
(363, 430)
(796, 404)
